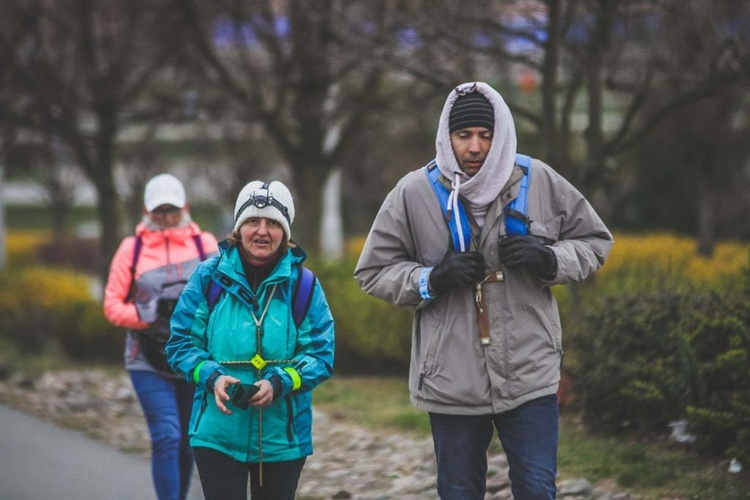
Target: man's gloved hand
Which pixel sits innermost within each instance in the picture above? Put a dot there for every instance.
(457, 270)
(526, 251)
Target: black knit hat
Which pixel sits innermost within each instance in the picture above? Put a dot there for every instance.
(471, 110)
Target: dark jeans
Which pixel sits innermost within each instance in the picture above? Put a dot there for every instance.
(529, 437)
(224, 478)
(167, 404)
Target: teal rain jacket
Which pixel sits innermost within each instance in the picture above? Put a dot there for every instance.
(210, 340)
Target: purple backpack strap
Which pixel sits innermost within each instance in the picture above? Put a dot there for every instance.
(136, 253)
(213, 294)
(301, 297)
(199, 246)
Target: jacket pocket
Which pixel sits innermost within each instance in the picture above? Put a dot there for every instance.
(291, 426)
(547, 231)
(199, 407)
(430, 332)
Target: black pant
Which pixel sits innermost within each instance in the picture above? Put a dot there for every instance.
(224, 478)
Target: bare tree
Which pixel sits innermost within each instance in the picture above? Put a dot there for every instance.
(309, 72)
(626, 65)
(84, 65)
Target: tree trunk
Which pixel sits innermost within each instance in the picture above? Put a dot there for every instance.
(550, 83)
(707, 205)
(331, 224)
(3, 233)
(308, 205)
(108, 224)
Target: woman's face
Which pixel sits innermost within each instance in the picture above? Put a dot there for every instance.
(167, 216)
(260, 239)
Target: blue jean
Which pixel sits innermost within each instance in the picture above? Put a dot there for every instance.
(224, 478)
(529, 437)
(167, 404)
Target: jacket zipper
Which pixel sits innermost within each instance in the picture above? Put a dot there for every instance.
(290, 430)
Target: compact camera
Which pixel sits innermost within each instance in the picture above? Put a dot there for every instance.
(165, 307)
(240, 394)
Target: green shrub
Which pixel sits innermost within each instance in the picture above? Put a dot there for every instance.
(371, 335)
(720, 414)
(42, 308)
(88, 336)
(642, 360)
(624, 362)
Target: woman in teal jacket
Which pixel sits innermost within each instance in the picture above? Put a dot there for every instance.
(234, 336)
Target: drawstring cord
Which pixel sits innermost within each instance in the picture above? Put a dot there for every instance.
(453, 206)
(258, 334)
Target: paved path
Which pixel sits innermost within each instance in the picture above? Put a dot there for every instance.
(39, 461)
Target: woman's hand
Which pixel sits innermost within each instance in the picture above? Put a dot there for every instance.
(220, 392)
(264, 396)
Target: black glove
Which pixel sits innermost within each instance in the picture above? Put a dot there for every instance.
(457, 270)
(526, 251)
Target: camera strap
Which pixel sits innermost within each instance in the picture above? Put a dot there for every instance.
(484, 322)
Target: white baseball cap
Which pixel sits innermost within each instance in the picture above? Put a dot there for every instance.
(164, 189)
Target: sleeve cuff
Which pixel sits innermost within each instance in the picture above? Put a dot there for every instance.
(211, 380)
(424, 283)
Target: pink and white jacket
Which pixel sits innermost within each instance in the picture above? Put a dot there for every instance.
(166, 260)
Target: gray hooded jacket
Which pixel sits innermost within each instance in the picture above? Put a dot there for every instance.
(451, 372)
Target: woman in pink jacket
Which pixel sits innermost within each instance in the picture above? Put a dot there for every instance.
(147, 274)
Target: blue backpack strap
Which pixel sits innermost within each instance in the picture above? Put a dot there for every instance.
(442, 194)
(517, 222)
(302, 295)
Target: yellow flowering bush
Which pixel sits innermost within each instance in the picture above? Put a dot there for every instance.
(22, 246)
(50, 288)
(45, 307)
(663, 260)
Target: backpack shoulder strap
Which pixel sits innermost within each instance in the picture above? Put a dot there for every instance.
(199, 245)
(137, 246)
(457, 237)
(214, 291)
(302, 295)
(517, 222)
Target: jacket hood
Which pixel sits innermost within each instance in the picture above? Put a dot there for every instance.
(485, 186)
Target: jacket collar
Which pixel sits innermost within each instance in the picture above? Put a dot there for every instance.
(230, 264)
(507, 194)
(172, 234)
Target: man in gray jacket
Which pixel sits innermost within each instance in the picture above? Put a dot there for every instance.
(486, 340)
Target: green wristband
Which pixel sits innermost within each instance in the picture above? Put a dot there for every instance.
(197, 372)
(296, 379)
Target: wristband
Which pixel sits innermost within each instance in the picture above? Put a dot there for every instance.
(296, 379)
(197, 372)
